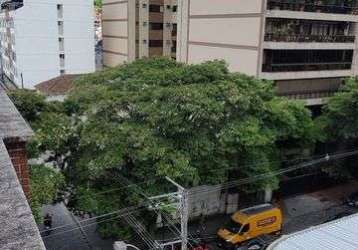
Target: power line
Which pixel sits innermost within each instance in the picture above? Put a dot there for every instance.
(276, 173)
(91, 224)
(110, 213)
(127, 209)
(125, 187)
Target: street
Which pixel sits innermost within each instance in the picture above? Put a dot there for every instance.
(300, 212)
(70, 236)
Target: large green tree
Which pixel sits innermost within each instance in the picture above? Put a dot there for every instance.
(340, 123)
(198, 124)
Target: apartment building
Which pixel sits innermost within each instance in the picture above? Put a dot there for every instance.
(138, 28)
(307, 47)
(45, 39)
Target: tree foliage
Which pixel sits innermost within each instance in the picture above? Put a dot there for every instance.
(341, 113)
(98, 3)
(198, 124)
(339, 121)
(45, 183)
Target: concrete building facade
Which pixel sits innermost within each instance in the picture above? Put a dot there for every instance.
(135, 29)
(306, 47)
(45, 39)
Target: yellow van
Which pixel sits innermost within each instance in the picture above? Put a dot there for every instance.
(250, 223)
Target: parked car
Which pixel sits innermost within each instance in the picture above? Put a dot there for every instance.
(352, 200)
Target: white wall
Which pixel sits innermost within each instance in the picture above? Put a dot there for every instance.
(221, 29)
(36, 39)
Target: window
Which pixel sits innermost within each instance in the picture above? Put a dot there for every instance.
(156, 43)
(156, 26)
(245, 228)
(59, 11)
(62, 56)
(154, 8)
(144, 24)
(145, 41)
(175, 8)
(62, 72)
(169, 7)
(144, 5)
(233, 226)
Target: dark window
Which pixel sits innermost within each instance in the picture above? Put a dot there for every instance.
(156, 26)
(175, 8)
(62, 71)
(246, 228)
(62, 56)
(155, 43)
(154, 8)
(175, 29)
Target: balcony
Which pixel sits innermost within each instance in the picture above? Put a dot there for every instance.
(311, 6)
(292, 67)
(302, 95)
(274, 37)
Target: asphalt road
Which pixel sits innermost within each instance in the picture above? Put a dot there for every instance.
(71, 237)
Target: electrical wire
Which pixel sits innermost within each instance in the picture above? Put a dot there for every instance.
(140, 206)
(88, 225)
(275, 173)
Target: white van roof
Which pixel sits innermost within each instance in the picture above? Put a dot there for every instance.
(335, 235)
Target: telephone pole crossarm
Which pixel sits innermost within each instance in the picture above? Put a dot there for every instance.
(184, 213)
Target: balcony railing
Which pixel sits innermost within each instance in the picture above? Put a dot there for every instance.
(291, 67)
(307, 7)
(272, 37)
(309, 94)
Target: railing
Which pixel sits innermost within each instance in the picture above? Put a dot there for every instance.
(309, 94)
(307, 7)
(271, 37)
(291, 67)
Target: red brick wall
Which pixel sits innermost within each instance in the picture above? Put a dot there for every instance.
(18, 155)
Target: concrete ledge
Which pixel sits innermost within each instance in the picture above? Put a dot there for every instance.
(307, 46)
(305, 74)
(311, 15)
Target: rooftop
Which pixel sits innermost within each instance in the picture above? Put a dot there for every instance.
(12, 124)
(60, 85)
(336, 235)
(257, 209)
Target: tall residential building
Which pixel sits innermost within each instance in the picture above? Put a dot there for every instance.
(138, 28)
(45, 39)
(307, 47)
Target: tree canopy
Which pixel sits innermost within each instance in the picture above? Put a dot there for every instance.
(198, 124)
(340, 115)
(191, 122)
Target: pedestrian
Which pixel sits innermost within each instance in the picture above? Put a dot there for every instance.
(48, 221)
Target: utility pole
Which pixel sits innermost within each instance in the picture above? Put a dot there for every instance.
(184, 213)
